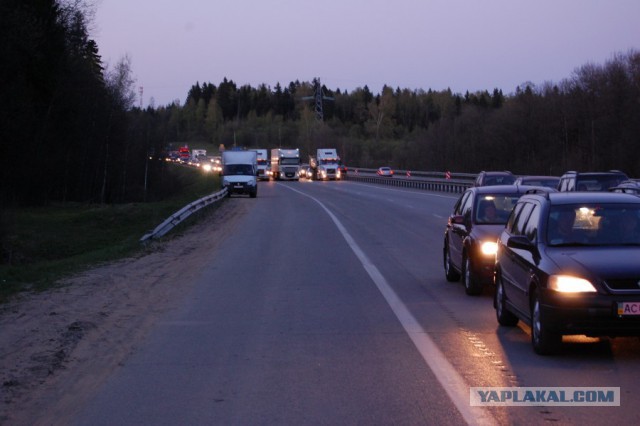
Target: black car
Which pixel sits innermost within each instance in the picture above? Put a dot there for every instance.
(569, 263)
(591, 181)
(490, 178)
(473, 227)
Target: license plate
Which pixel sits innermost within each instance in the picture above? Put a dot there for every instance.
(628, 308)
(239, 186)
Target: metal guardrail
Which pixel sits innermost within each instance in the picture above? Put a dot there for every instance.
(428, 184)
(182, 214)
(470, 177)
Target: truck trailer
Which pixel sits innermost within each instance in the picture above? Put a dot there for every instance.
(239, 170)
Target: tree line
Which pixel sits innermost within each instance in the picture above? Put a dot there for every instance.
(71, 130)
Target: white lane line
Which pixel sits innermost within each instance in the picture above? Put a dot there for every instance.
(448, 377)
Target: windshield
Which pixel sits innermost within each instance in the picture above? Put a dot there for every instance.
(238, 169)
(494, 208)
(289, 161)
(602, 224)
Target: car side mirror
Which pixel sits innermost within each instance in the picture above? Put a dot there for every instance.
(520, 242)
(457, 220)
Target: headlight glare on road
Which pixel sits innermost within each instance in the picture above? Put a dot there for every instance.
(569, 284)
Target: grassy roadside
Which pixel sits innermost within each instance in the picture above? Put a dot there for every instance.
(41, 245)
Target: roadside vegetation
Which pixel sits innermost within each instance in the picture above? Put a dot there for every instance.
(43, 244)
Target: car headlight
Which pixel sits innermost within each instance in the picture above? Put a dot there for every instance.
(489, 248)
(569, 284)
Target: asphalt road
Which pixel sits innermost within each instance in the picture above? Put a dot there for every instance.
(329, 306)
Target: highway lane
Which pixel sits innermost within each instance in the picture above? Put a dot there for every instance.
(287, 326)
(283, 327)
(465, 327)
(467, 330)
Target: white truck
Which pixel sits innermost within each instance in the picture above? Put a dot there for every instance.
(263, 163)
(239, 173)
(325, 165)
(285, 164)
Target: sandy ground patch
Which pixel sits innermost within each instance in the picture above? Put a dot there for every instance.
(57, 347)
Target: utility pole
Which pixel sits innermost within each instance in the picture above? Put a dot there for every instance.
(140, 91)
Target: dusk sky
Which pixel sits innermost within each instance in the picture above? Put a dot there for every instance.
(465, 45)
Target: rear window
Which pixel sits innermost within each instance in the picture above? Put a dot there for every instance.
(598, 182)
(499, 180)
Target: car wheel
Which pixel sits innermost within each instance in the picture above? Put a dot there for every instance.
(544, 341)
(504, 316)
(471, 286)
(449, 271)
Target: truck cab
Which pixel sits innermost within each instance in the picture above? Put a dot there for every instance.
(262, 162)
(239, 173)
(285, 164)
(327, 164)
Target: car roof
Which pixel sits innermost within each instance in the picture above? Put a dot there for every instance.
(507, 189)
(629, 184)
(559, 198)
(539, 177)
(497, 172)
(605, 173)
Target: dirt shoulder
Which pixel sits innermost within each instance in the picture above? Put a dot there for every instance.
(57, 347)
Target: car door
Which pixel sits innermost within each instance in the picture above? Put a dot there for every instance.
(457, 232)
(516, 263)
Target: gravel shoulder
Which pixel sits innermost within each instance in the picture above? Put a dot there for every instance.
(58, 347)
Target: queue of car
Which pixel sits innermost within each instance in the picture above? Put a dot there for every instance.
(563, 260)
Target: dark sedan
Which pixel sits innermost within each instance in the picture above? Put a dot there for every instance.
(472, 230)
(569, 263)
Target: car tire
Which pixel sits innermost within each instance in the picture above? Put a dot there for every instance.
(471, 285)
(449, 271)
(544, 341)
(503, 315)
